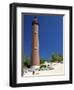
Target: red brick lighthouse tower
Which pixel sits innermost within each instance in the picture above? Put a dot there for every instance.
(35, 60)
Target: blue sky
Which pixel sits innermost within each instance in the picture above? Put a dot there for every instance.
(50, 35)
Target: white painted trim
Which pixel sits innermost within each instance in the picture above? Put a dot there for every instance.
(21, 79)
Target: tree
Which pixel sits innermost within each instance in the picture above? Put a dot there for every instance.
(56, 58)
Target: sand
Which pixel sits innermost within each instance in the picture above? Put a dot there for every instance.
(57, 69)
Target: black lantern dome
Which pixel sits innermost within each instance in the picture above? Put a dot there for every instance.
(35, 21)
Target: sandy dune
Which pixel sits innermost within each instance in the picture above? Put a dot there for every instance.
(58, 69)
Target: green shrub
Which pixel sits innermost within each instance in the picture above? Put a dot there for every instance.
(56, 58)
(42, 61)
(43, 66)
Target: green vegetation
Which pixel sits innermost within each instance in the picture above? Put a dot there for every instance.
(42, 66)
(42, 61)
(27, 62)
(56, 58)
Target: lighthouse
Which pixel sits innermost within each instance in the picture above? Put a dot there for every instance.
(35, 60)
